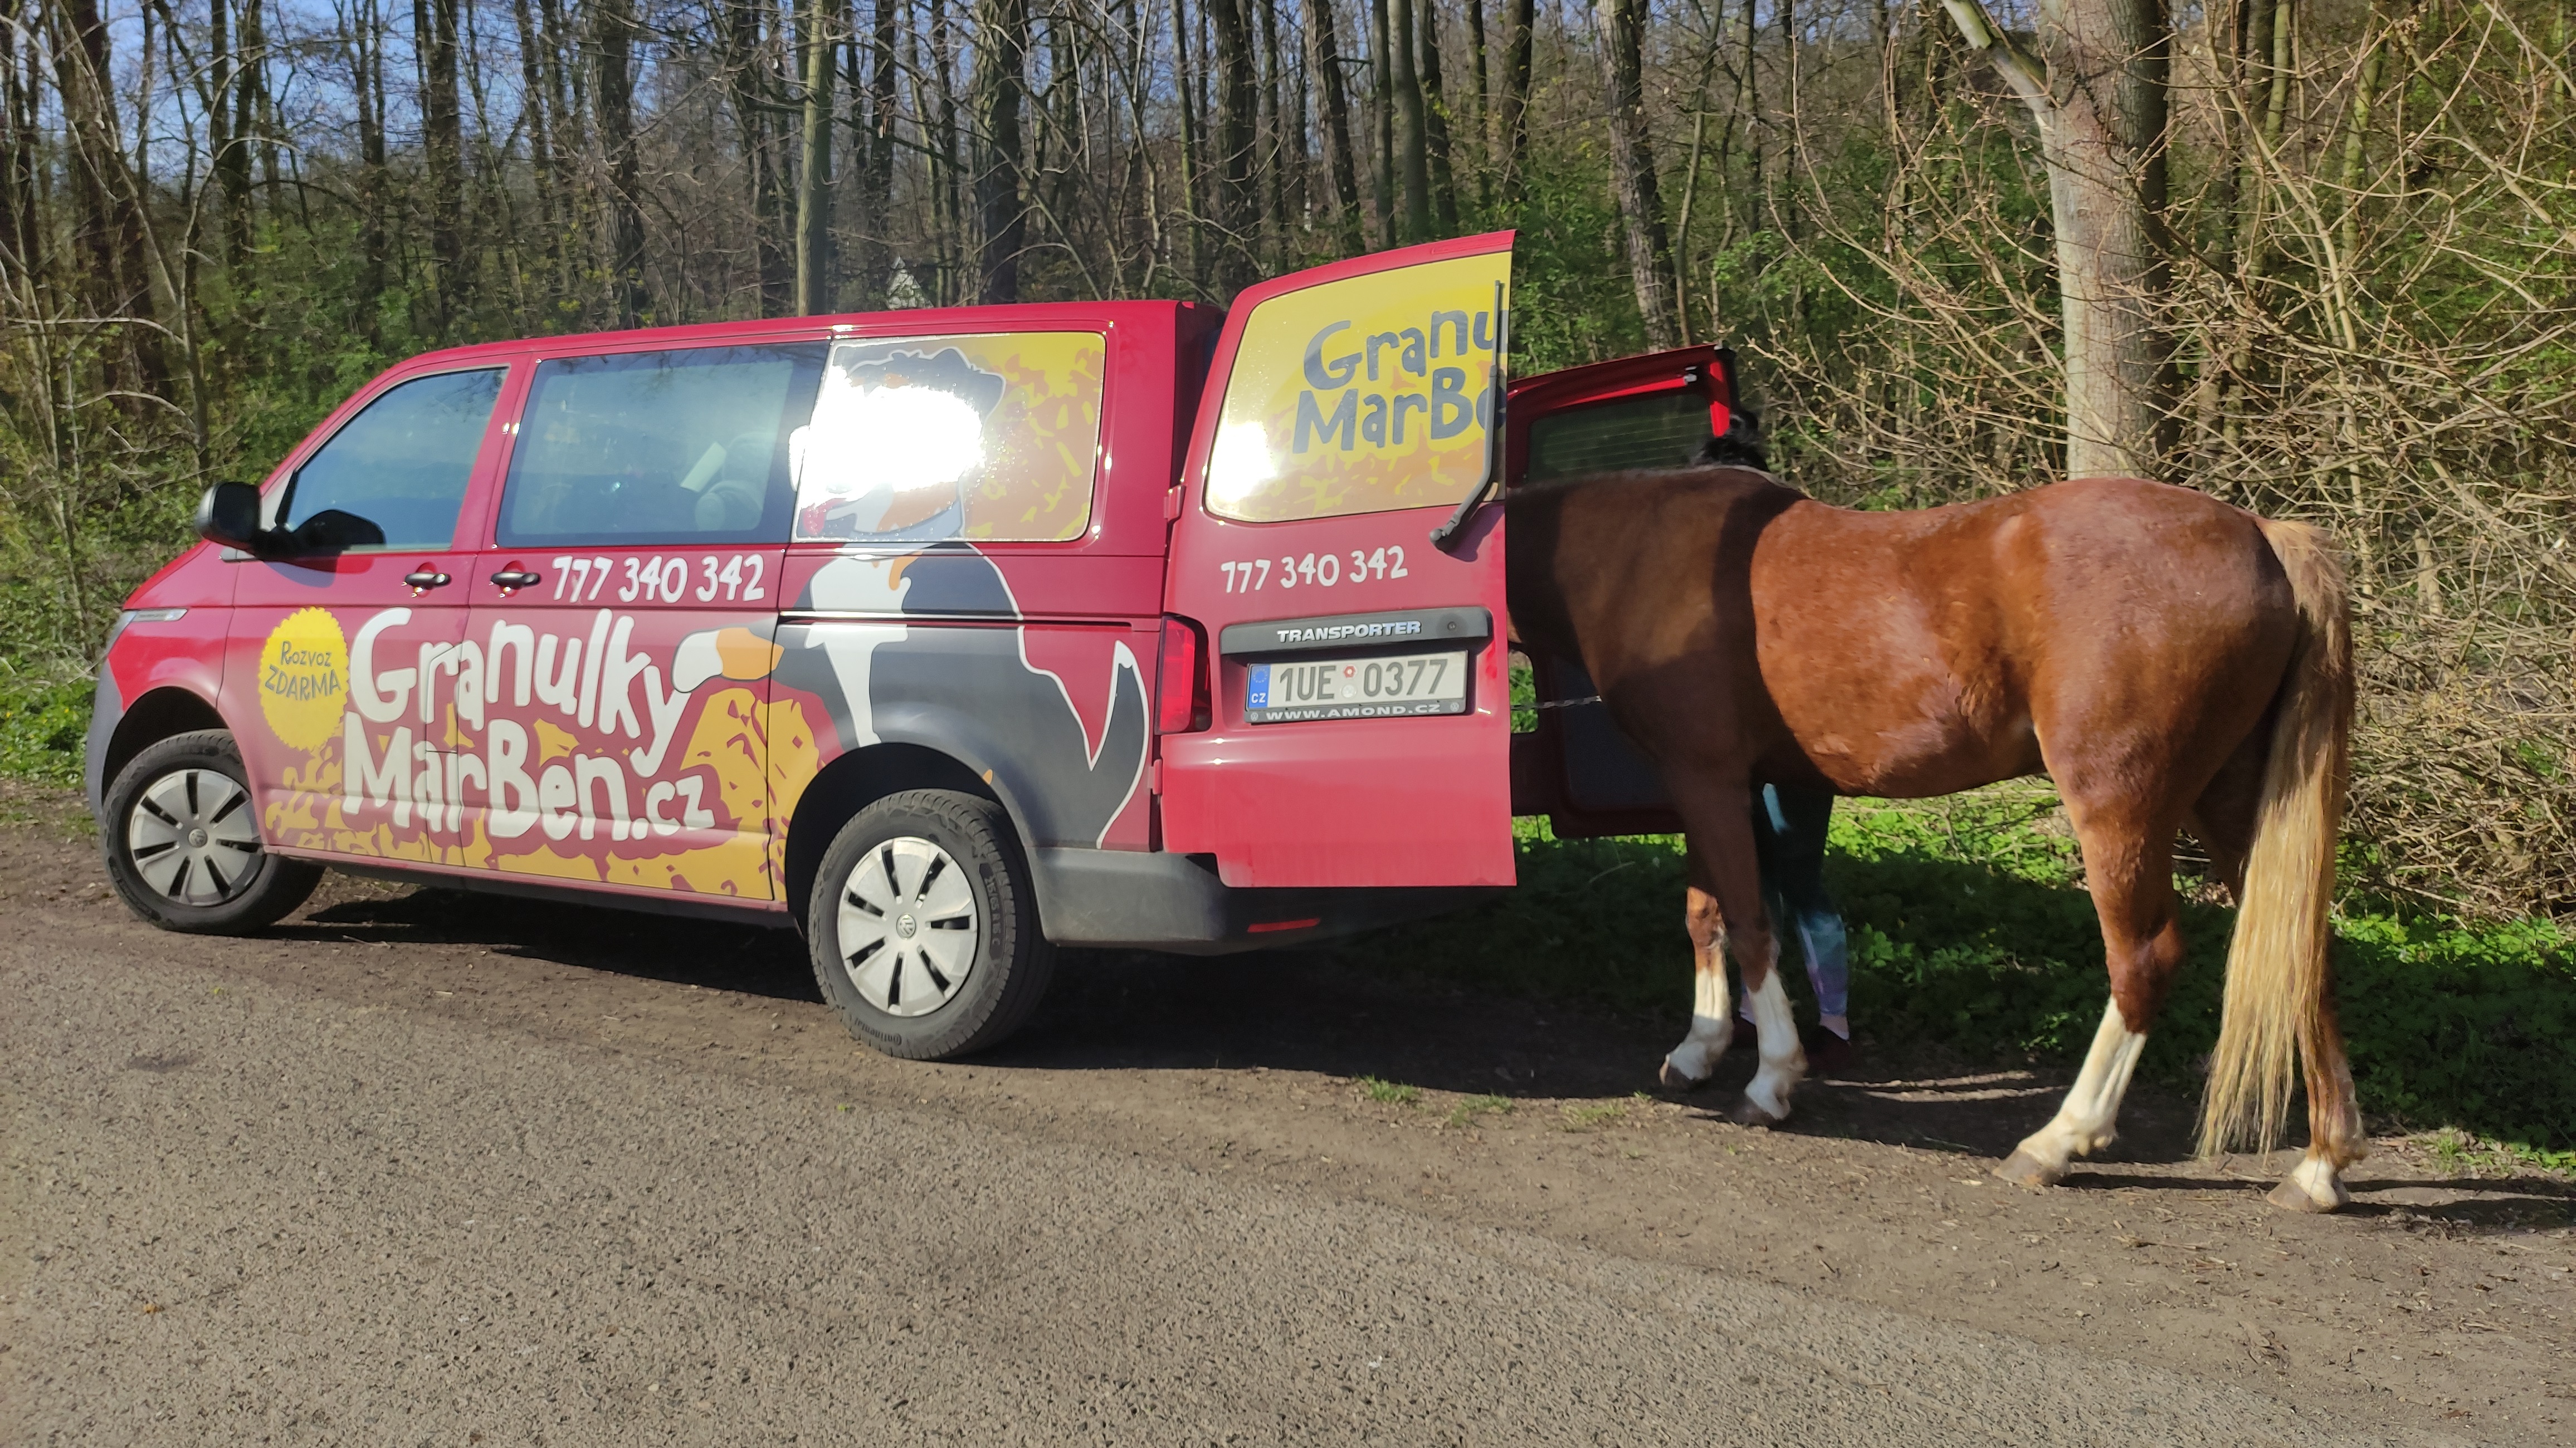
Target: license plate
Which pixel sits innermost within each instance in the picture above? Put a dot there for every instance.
(1384, 688)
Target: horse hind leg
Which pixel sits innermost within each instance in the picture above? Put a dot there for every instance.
(2132, 874)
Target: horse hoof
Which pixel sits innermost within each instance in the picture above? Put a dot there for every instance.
(2025, 1170)
(1747, 1113)
(2289, 1196)
(1670, 1077)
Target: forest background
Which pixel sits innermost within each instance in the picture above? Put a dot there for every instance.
(218, 217)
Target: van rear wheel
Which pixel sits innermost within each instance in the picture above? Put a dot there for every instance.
(924, 926)
(181, 836)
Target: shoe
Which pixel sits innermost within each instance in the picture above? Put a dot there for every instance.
(1827, 1053)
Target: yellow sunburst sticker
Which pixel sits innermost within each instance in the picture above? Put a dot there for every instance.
(304, 678)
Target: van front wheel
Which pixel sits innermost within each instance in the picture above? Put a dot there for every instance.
(181, 836)
(924, 927)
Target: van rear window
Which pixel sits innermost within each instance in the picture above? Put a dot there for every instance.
(1660, 430)
(674, 447)
(991, 438)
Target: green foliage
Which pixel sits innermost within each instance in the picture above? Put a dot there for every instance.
(42, 725)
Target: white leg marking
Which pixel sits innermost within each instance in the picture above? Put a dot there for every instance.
(2087, 1121)
(1784, 1061)
(1712, 1026)
(2321, 1180)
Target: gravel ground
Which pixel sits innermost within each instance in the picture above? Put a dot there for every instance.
(427, 1168)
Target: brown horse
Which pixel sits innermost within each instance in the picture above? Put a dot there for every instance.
(2170, 661)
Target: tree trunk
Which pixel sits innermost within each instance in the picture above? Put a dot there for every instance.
(1413, 162)
(229, 161)
(613, 98)
(1382, 121)
(1622, 25)
(1001, 73)
(442, 138)
(876, 262)
(1435, 122)
(1271, 154)
(116, 282)
(1185, 80)
(1237, 100)
(1481, 126)
(2098, 93)
(740, 27)
(1511, 104)
(1325, 60)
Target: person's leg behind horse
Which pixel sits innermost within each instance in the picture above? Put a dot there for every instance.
(1790, 825)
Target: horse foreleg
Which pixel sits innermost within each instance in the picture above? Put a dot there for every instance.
(1727, 918)
(2087, 1121)
(1712, 1027)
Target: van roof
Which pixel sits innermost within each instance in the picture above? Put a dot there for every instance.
(914, 320)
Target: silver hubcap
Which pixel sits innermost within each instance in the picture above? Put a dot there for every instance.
(192, 838)
(908, 927)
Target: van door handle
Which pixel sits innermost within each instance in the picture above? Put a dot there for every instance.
(517, 578)
(424, 579)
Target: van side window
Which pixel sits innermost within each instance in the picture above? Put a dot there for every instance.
(394, 475)
(675, 447)
(985, 438)
(1658, 430)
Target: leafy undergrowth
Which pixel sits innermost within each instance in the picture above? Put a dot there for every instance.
(1970, 928)
(42, 725)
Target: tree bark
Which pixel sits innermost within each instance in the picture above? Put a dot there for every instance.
(1237, 101)
(1185, 80)
(774, 266)
(1390, 229)
(1622, 25)
(1413, 162)
(876, 263)
(1511, 103)
(1325, 60)
(613, 99)
(2098, 93)
(442, 137)
(1001, 73)
(1435, 122)
(1481, 126)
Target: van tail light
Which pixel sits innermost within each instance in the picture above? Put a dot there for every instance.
(1181, 688)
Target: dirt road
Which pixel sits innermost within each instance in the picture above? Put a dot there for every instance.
(429, 1168)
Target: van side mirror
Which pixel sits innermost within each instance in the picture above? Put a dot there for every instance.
(229, 514)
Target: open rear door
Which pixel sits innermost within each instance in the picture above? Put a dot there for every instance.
(1655, 411)
(1358, 722)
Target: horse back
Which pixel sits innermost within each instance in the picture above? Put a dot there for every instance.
(1923, 652)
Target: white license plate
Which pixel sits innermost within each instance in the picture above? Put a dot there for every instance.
(1383, 688)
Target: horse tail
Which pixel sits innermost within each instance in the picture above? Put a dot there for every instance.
(2279, 996)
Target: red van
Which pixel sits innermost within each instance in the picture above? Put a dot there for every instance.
(945, 636)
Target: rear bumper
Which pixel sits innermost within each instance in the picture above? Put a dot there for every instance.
(1157, 901)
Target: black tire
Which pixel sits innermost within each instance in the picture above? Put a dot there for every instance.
(181, 837)
(904, 980)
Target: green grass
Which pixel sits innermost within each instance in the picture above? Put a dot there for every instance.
(1392, 1093)
(1970, 928)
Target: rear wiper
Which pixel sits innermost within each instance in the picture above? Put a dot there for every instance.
(1444, 536)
